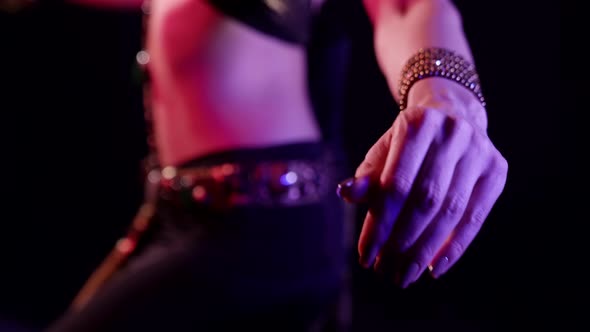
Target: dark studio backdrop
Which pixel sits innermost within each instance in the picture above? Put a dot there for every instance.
(73, 137)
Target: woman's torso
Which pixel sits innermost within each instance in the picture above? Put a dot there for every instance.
(239, 88)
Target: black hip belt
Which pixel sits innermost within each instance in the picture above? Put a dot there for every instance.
(264, 183)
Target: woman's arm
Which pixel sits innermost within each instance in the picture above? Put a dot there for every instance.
(401, 28)
(432, 179)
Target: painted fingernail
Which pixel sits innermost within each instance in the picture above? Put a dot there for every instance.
(411, 274)
(367, 260)
(368, 256)
(378, 266)
(344, 187)
(437, 268)
(362, 262)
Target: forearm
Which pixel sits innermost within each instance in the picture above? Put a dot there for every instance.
(401, 28)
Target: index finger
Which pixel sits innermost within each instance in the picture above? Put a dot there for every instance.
(409, 145)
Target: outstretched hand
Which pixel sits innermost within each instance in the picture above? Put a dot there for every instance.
(430, 182)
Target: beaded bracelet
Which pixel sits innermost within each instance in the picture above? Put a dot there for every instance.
(438, 62)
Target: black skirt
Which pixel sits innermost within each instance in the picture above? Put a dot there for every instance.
(247, 267)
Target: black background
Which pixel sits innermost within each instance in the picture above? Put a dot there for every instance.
(73, 136)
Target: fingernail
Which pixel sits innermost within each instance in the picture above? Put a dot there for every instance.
(437, 268)
(430, 268)
(364, 261)
(368, 259)
(411, 274)
(343, 186)
(377, 267)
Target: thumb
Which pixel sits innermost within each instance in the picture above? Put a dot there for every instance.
(354, 190)
(358, 188)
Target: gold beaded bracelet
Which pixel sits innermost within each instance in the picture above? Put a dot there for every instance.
(438, 62)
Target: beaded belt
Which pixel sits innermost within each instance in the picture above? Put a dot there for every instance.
(266, 183)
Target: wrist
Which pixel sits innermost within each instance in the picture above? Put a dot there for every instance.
(442, 93)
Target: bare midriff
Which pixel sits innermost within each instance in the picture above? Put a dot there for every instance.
(219, 85)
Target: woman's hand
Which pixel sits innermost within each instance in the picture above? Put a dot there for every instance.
(430, 182)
